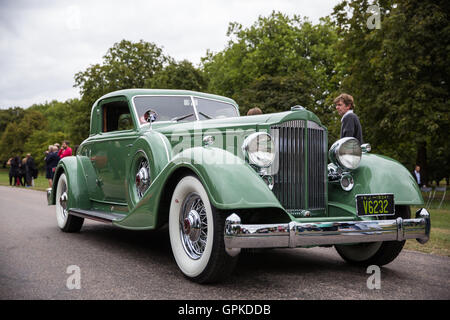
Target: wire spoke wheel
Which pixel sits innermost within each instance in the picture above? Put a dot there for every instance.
(193, 226)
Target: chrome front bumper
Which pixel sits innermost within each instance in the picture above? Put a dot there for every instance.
(295, 234)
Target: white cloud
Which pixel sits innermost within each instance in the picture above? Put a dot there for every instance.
(43, 44)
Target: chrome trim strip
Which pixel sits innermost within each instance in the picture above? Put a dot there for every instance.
(165, 146)
(295, 234)
(123, 204)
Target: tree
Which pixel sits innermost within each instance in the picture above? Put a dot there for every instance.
(276, 63)
(125, 65)
(10, 115)
(57, 115)
(79, 112)
(16, 133)
(37, 143)
(179, 75)
(398, 75)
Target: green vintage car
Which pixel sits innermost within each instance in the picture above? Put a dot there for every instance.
(219, 182)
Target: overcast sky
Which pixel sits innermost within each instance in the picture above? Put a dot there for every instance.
(44, 43)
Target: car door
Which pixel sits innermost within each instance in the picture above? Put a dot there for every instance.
(109, 150)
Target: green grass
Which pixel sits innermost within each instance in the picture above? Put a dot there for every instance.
(41, 183)
(439, 242)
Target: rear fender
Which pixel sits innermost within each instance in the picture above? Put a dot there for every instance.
(78, 196)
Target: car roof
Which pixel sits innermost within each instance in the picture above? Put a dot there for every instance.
(130, 93)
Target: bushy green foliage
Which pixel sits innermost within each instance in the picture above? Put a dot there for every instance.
(39, 141)
(398, 75)
(275, 64)
(179, 75)
(16, 133)
(125, 65)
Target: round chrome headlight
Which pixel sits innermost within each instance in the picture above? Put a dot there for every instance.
(346, 153)
(259, 149)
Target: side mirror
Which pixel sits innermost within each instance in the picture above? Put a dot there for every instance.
(150, 116)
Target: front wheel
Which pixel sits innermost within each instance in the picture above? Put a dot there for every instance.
(196, 231)
(66, 222)
(374, 253)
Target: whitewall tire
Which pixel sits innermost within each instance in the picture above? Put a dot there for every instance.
(196, 231)
(66, 222)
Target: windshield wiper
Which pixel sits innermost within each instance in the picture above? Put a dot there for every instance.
(181, 117)
(205, 115)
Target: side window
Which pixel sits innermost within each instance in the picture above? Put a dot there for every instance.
(116, 116)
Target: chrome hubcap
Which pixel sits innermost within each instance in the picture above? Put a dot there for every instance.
(63, 203)
(193, 226)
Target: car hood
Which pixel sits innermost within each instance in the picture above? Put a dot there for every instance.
(236, 122)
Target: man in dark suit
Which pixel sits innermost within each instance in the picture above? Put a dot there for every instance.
(350, 125)
(416, 175)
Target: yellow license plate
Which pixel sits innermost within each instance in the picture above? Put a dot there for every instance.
(375, 204)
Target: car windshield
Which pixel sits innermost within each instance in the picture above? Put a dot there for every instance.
(179, 108)
(167, 108)
(213, 109)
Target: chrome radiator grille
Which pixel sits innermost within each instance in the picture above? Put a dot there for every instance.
(300, 167)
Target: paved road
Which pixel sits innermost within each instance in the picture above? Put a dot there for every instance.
(122, 264)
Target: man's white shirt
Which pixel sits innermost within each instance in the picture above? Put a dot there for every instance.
(349, 111)
(417, 176)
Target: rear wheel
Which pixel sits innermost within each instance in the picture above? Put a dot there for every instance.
(196, 231)
(374, 253)
(66, 222)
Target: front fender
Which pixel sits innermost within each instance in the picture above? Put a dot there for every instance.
(376, 174)
(229, 181)
(78, 196)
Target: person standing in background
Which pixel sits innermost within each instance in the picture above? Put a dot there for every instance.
(51, 161)
(30, 170)
(65, 150)
(350, 125)
(254, 111)
(416, 175)
(14, 170)
(22, 171)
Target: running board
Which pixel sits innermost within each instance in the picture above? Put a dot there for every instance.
(97, 215)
